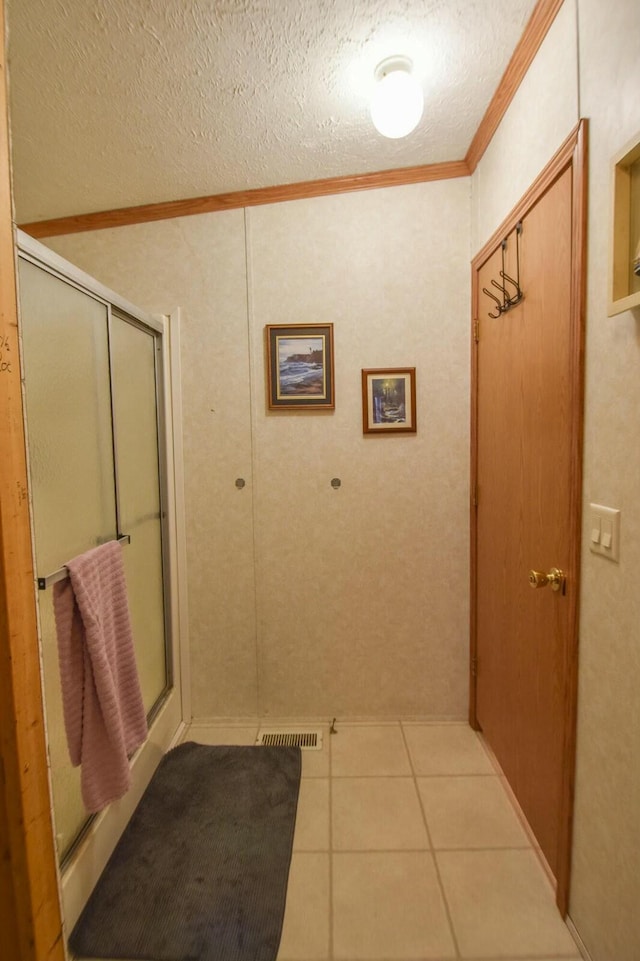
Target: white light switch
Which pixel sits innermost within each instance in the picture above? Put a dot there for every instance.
(605, 531)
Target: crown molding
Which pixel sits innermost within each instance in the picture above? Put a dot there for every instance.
(534, 33)
(146, 213)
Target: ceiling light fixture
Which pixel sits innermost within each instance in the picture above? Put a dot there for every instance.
(397, 101)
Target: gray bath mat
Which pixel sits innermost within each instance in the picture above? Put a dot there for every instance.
(200, 873)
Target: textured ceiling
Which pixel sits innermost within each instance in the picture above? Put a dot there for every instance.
(116, 103)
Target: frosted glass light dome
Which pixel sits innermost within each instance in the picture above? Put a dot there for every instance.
(397, 103)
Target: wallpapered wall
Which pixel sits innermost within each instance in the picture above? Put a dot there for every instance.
(357, 602)
(303, 599)
(606, 890)
(600, 37)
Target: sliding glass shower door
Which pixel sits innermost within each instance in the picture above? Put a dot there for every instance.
(93, 401)
(134, 370)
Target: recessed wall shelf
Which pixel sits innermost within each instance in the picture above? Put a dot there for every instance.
(624, 285)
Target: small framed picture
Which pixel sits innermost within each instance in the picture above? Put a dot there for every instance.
(389, 400)
(300, 367)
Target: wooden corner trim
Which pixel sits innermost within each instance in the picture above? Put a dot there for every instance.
(29, 903)
(126, 216)
(534, 33)
(578, 325)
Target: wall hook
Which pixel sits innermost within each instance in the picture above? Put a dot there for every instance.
(503, 290)
(518, 294)
(498, 302)
(508, 300)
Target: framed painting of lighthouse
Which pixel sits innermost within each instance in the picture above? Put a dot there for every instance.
(300, 367)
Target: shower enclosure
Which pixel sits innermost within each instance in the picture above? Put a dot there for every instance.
(97, 420)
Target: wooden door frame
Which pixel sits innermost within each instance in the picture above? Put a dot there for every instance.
(573, 154)
(29, 901)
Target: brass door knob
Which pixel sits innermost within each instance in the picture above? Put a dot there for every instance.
(556, 578)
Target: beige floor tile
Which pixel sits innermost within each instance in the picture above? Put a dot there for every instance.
(363, 750)
(212, 734)
(316, 763)
(312, 818)
(470, 812)
(388, 905)
(305, 932)
(501, 905)
(446, 749)
(376, 814)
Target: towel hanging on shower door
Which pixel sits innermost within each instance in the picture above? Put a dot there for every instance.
(102, 702)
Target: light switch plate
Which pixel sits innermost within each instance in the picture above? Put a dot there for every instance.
(604, 531)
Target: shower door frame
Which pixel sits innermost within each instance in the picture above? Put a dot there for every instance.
(96, 841)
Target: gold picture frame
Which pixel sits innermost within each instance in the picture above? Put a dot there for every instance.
(300, 369)
(389, 400)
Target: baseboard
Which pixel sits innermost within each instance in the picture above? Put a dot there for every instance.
(582, 948)
(210, 721)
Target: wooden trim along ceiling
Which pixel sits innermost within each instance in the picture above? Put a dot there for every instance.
(541, 19)
(126, 216)
(543, 15)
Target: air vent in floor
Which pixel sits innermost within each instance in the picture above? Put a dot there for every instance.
(307, 740)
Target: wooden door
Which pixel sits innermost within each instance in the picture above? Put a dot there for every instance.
(527, 435)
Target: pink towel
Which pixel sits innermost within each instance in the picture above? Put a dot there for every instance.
(104, 715)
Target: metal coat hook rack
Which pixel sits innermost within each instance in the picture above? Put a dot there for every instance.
(507, 300)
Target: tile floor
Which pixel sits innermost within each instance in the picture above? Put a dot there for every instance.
(407, 847)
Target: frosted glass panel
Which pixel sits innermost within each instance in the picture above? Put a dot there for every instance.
(69, 809)
(66, 368)
(134, 399)
(81, 368)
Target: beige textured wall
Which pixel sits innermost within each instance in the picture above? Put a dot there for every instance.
(198, 263)
(606, 886)
(362, 592)
(605, 889)
(542, 113)
(361, 599)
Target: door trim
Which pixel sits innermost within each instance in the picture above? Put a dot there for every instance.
(29, 904)
(572, 154)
